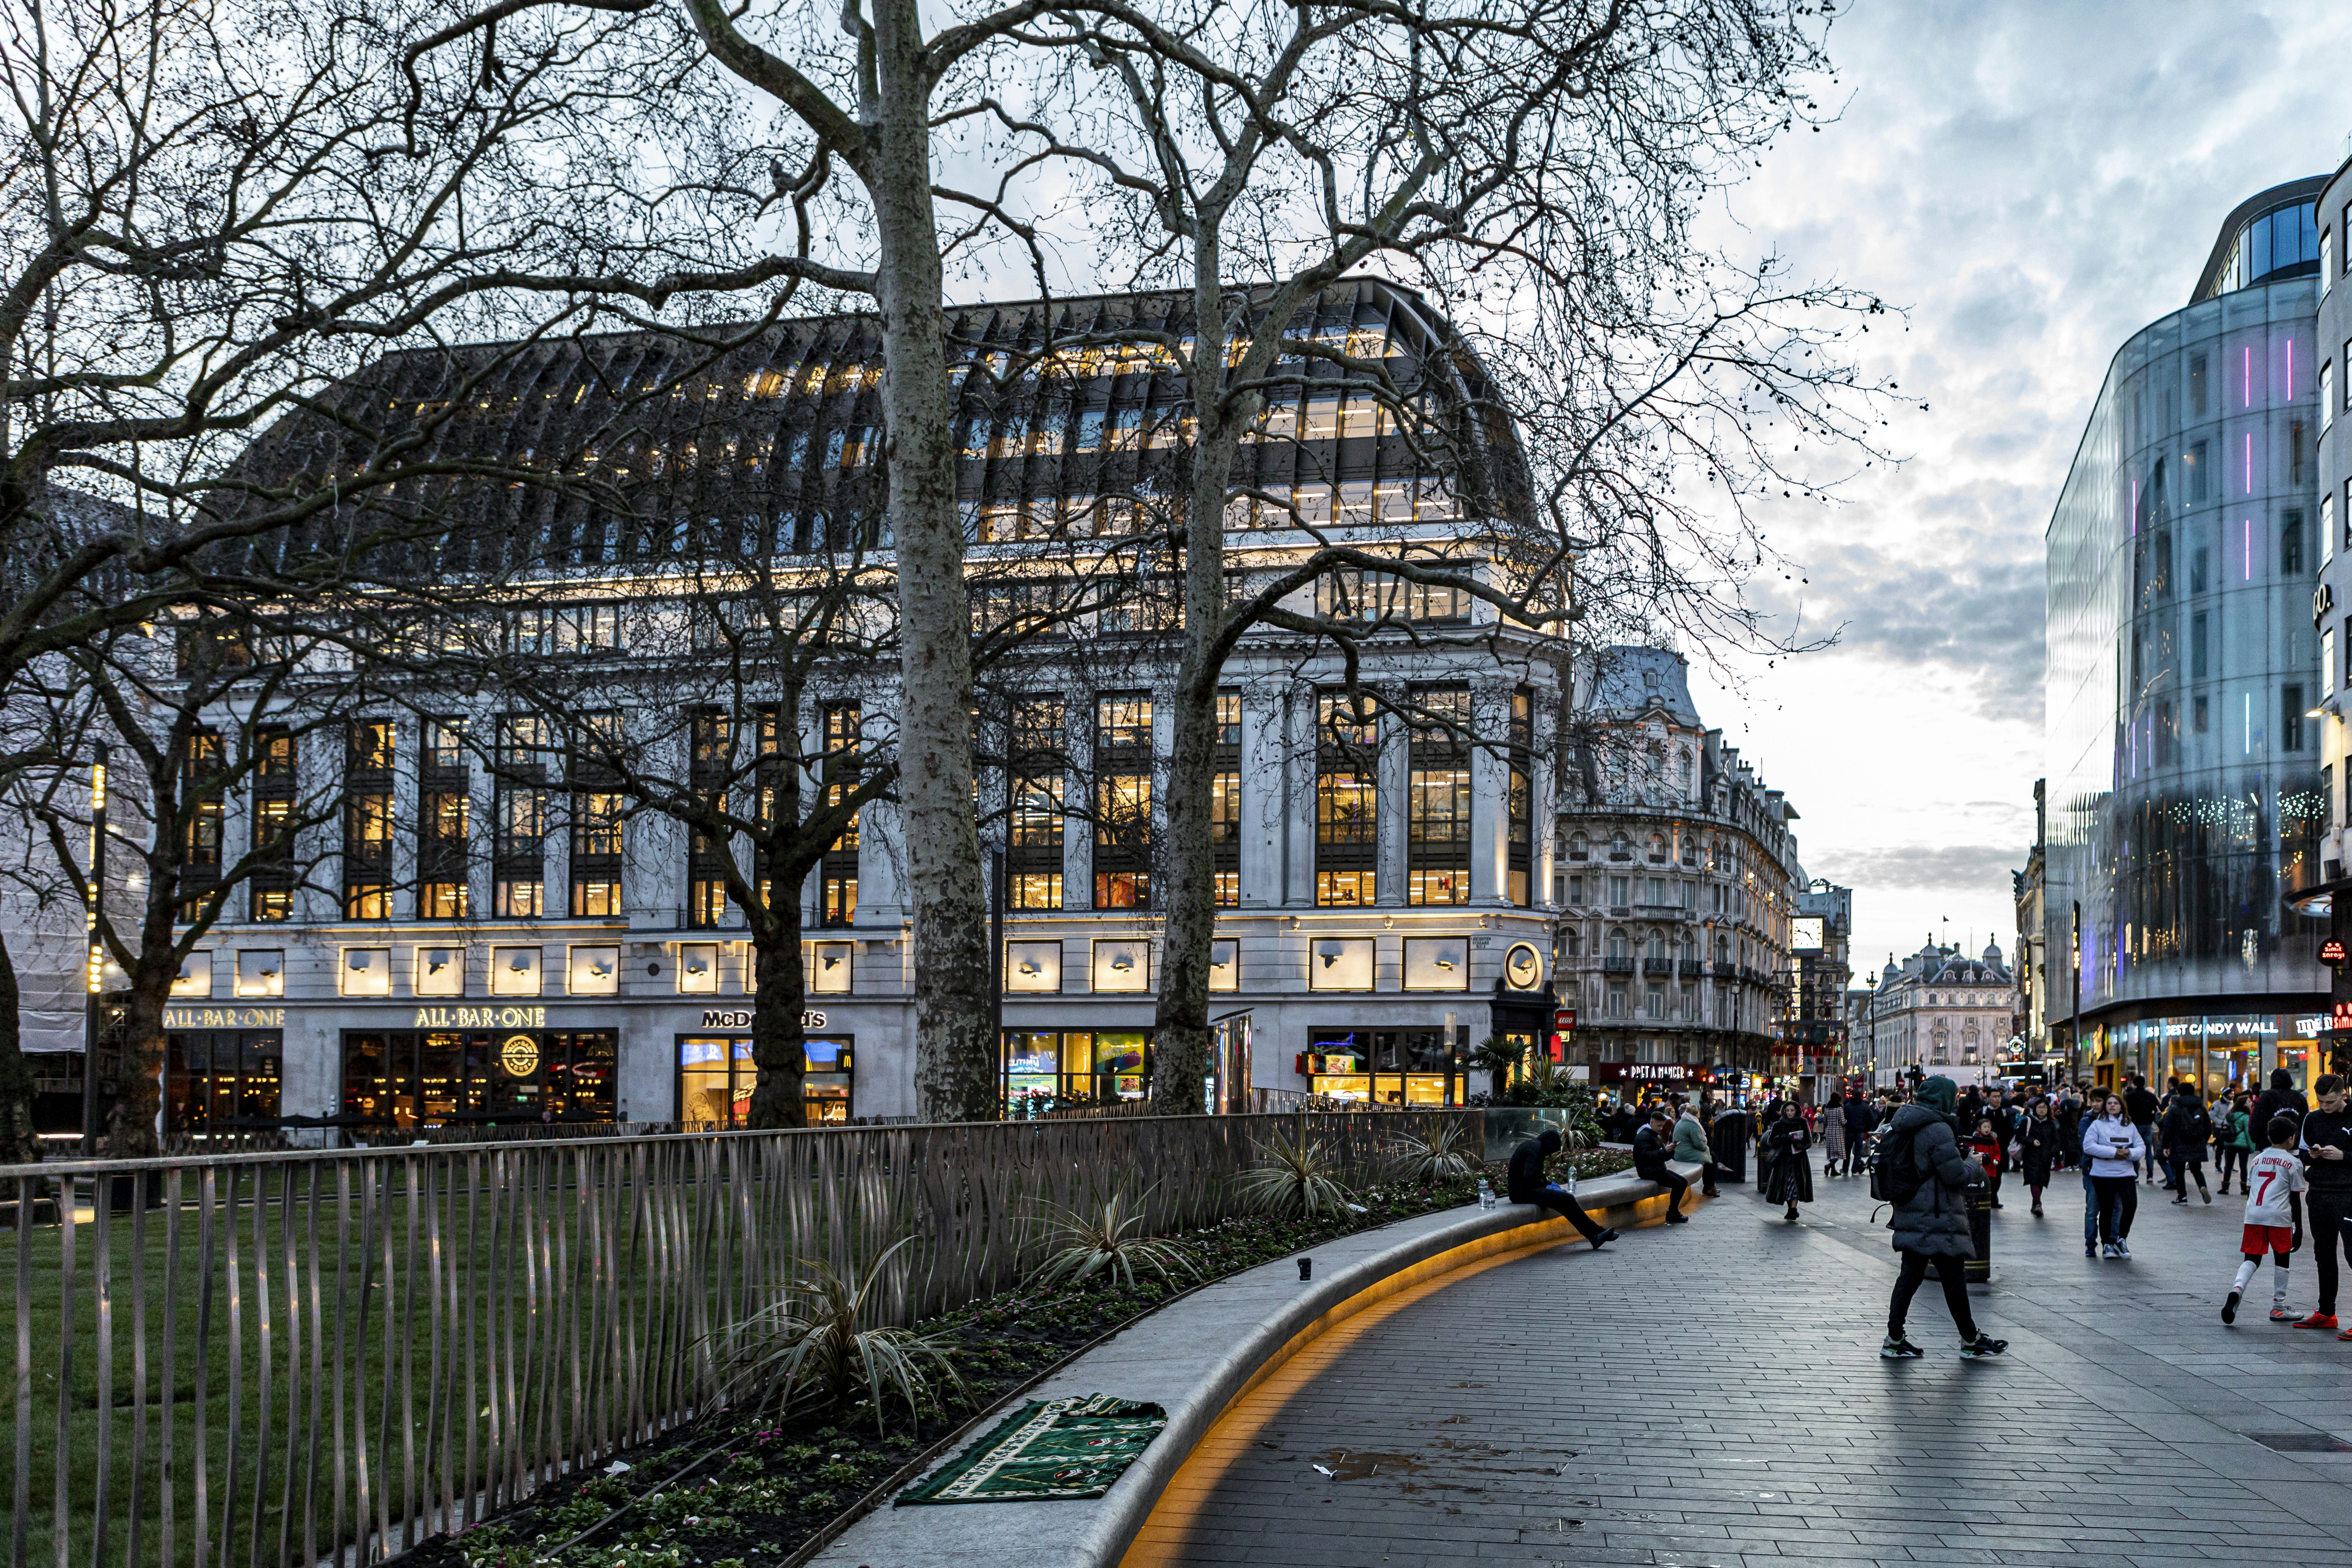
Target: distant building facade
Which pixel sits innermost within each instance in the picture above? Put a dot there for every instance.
(1677, 878)
(1943, 1013)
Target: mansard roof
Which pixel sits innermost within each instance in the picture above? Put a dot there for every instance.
(773, 433)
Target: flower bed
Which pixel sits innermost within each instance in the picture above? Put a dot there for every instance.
(729, 1492)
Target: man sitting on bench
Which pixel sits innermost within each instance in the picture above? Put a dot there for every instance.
(1652, 1145)
(1527, 1185)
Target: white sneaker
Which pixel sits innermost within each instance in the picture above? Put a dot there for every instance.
(2123, 1249)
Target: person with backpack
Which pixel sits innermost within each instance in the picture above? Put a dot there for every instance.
(2281, 1099)
(2112, 1153)
(1861, 1118)
(2187, 1129)
(1922, 1172)
(2237, 1143)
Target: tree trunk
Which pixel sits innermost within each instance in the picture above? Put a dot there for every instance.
(955, 1045)
(779, 1046)
(138, 1095)
(1180, 1041)
(17, 1144)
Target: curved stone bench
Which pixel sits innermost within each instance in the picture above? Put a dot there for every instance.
(1199, 1354)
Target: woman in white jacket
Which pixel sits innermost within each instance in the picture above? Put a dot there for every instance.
(2113, 1149)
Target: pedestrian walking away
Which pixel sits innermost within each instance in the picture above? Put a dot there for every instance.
(1830, 1128)
(2038, 1142)
(1525, 1182)
(1926, 1177)
(1651, 1145)
(2142, 1107)
(1792, 1179)
(1861, 1118)
(2281, 1099)
(2112, 1153)
(2236, 1137)
(2325, 1135)
(1691, 1146)
(2187, 1129)
(2274, 1220)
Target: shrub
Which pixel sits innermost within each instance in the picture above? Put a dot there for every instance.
(1294, 1175)
(1103, 1239)
(813, 1348)
(1444, 1152)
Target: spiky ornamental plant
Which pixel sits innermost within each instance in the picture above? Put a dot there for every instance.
(1105, 1239)
(813, 1348)
(1294, 1175)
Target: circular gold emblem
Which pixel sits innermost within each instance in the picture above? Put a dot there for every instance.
(518, 1055)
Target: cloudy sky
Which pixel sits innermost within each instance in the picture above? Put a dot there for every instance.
(2035, 182)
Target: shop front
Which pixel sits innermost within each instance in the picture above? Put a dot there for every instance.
(1387, 1067)
(222, 1080)
(716, 1076)
(433, 1078)
(1637, 1078)
(1043, 1068)
(2223, 1054)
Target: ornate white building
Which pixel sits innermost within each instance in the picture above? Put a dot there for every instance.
(1943, 1011)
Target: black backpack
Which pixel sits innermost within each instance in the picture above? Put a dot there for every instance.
(2196, 1127)
(1895, 1175)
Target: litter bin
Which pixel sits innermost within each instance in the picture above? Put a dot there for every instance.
(1978, 1271)
(1730, 1143)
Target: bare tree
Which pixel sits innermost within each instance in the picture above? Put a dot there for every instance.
(1538, 168)
(207, 721)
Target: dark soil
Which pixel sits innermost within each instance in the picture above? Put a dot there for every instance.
(728, 1491)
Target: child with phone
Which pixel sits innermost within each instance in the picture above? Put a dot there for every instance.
(2274, 1189)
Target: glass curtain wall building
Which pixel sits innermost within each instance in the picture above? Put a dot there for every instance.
(2184, 764)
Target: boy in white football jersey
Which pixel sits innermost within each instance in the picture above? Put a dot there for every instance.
(2274, 1189)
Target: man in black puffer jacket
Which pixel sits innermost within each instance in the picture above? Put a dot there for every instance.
(1931, 1220)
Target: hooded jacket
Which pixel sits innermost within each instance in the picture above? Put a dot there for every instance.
(1935, 1219)
(1523, 1181)
(2282, 1096)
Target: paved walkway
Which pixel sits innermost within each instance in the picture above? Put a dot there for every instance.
(1711, 1396)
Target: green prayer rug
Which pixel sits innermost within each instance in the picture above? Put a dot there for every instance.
(1047, 1450)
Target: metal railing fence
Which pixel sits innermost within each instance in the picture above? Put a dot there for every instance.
(233, 1361)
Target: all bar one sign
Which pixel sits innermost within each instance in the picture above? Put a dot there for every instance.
(481, 1018)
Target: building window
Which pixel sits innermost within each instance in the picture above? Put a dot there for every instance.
(1347, 801)
(1519, 851)
(1371, 597)
(597, 838)
(1614, 1006)
(843, 735)
(2327, 397)
(1225, 801)
(2291, 717)
(2200, 645)
(2291, 541)
(1034, 805)
(1621, 894)
(1123, 805)
(1437, 833)
(2327, 663)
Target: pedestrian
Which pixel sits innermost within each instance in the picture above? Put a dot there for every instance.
(1861, 1118)
(2268, 1213)
(1930, 1177)
(2282, 1096)
(1791, 1178)
(1691, 1146)
(2237, 1140)
(1525, 1182)
(2325, 1135)
(1652, 1143)
(1984, 1144)
(2142, 1107)
(2187, 1129)
(2112, 1153)
(1830, 1129)
(2038, 1144)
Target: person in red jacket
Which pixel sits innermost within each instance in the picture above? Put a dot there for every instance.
(1985, 1144)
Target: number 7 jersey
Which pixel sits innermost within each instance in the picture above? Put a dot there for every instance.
(2275, 1173)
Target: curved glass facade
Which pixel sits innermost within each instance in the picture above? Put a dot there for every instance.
(2184, 775)
(2281, 243)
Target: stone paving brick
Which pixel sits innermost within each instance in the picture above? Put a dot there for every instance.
(1711, 1396)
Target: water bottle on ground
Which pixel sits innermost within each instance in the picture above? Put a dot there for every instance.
(1485, 1194)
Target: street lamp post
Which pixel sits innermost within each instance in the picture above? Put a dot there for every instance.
(94, 1019)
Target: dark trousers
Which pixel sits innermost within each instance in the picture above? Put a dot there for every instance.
(1708, 1174)
(2331, 1212)
(1951, 1273)
(2118, 1201)
(1673, 1182)
(1568, 1208)
(2237, 1157)
(2147, 1137)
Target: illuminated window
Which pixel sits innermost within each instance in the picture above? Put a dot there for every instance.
(1347, 801)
